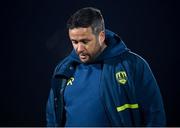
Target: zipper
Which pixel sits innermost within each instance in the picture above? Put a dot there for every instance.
(101, 97)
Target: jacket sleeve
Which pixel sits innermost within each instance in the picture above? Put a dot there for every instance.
(148, 95)
(50, 111)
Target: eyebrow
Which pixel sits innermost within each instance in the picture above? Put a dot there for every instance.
(81, 40)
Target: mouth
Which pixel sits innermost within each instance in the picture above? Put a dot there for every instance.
(83, 56)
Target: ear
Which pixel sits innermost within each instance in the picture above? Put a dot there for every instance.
(101, 37)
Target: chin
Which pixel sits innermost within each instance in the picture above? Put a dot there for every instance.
(85, 61)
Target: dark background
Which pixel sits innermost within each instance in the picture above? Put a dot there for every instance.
(34, 39)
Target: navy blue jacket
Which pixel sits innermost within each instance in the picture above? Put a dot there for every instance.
(129, 91)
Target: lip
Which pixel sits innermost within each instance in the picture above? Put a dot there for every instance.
(83, 56)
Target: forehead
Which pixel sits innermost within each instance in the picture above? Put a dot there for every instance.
(79, 33)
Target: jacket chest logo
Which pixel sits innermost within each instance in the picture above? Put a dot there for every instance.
(121, 77)
(70, 81)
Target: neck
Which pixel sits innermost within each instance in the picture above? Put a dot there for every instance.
(102, 49)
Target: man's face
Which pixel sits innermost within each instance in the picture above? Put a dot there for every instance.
(86, 44)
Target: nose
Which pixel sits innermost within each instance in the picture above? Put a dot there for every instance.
(80, 48)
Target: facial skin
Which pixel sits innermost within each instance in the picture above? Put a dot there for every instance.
(86, 44)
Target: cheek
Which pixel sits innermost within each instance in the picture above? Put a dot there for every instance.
(95, 49)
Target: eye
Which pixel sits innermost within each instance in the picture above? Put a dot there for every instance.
(85, 42)
(74, 42)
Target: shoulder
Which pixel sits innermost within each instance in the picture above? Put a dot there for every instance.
(134, 58)
(131, 61)
(129, 57)
(62, 65)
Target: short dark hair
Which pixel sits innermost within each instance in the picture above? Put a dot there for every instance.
(87, 17)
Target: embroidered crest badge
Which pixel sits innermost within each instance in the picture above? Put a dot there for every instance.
(121, 77)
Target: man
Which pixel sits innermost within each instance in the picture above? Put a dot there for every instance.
(101, 82)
